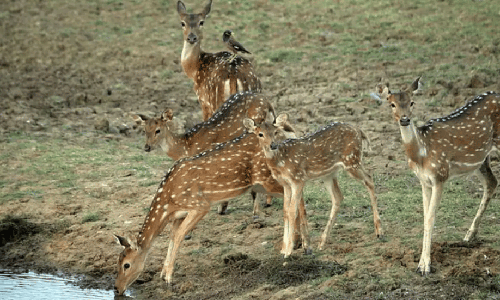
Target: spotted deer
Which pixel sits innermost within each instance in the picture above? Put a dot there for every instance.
(215, 76)
(456, 144)
(224, 125)
(321, 154)
(186, 193)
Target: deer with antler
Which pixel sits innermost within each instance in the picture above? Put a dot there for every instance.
(215, 75)
(224, 125)
(185, 195)
(321, 154)
(456, 144)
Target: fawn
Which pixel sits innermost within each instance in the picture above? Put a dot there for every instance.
(456, 144)
(320, 154)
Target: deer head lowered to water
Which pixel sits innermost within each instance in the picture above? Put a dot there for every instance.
(321, 154)
(456, 144)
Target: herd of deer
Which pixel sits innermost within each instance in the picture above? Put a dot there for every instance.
(244, 146)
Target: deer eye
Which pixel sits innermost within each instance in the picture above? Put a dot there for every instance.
(201, 23)
(157, 131)
(393, 105)
(261, 134)
(183, 24)
(126, 266)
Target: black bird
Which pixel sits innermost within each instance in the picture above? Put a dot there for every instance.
(233, 45)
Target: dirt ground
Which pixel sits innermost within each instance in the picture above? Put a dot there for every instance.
(69, 84)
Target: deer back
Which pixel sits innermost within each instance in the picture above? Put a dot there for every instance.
(220, 173)
(216, 79)
(224, 125)
(460, 140)
(317, 154)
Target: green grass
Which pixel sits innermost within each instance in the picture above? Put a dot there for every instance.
(54, 163)
(91, 217)
(400, 207)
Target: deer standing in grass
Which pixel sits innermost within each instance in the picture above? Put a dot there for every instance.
(321, 154)
(215, 78)
(224, 125)
(456, 144)
(186, 193)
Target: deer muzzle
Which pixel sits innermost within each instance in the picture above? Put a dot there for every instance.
(192, 38)
(117, 291)
(404, 121)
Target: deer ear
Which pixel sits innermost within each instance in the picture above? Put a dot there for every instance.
(167, 115)
(140, 120)
(382, 90)
(126, 242)
(414, 86)
(281, 120)
(181, 8)
(207, 8)
(249, 125)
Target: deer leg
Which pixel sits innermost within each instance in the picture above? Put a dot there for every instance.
(292, 214)
(332, 186)
(489, 184)
(426, 197)
(269, 201)
(301, 227)
(256, 203)
(222, 209)
(286, 226)
(175, 227)
(367, 180)
(179, 230)
(424, 266)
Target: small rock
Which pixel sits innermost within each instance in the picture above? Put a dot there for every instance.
(58, 101)
(102, 125)
(15, 93)
(475, 82)
(78, 99)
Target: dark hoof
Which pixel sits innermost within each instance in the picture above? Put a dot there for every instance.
(297, 245)
(308, 251)
(423, 273)
(187, 237)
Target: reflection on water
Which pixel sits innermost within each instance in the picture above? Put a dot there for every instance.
(33, 286)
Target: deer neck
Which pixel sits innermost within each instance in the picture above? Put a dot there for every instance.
(155, 222)
(273, 157)
(177, 146)
(190, 58)
(413, 142)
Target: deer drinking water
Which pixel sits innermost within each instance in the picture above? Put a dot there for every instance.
(224, 125)
(456, 144)
(186, 193)
(215, 76)
(321, 154)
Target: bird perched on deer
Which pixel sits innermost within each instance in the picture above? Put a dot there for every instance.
(233, 45)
